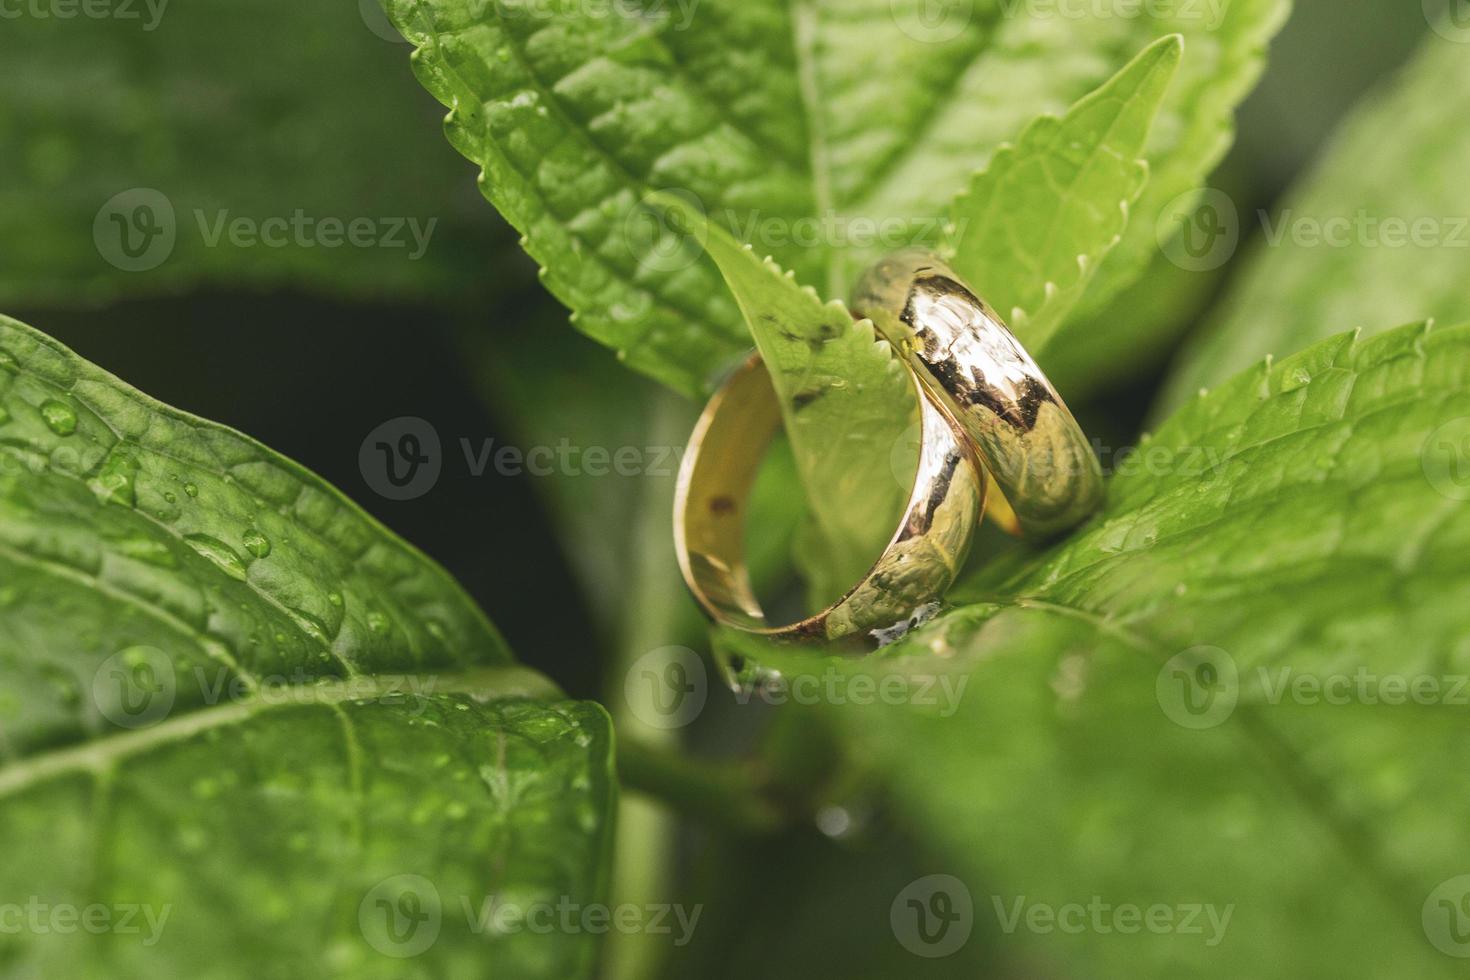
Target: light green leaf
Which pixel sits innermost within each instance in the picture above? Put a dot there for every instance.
(1031, 59)
(1378, 234)
(1030, 231)
(1293, 528)
(847, 403)
(232, 111)
(230, 697)
(823, 133)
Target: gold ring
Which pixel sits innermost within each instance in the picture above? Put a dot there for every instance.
(1046, 474)
(902, 587)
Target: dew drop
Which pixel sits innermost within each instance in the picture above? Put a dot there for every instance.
(114, 482)
(223, 556)
(191, 490)
(256, 543)
(59, 417)
(170, 496)
(378, 622)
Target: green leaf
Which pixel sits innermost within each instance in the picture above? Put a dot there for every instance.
(825, 134)
(1034, 59)
(1341, 259)
(1298, 523)
(229, 696)
(1031, 230)
(848, 405)
(231, 110)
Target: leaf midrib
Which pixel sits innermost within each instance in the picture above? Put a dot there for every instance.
(101, 755)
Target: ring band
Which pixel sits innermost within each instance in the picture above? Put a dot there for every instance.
(1046, 473)
(901, 588)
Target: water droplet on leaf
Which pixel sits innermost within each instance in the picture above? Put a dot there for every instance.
(59, 417)
(256, 543)
(114, 482)
(224, 557)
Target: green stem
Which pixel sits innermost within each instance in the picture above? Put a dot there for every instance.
(643, 869)
(733, 796)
